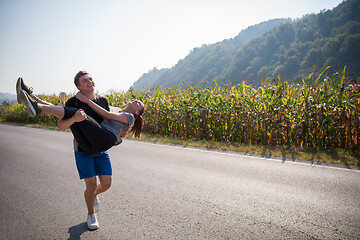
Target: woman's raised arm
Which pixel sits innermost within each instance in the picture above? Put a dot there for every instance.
(121, 117)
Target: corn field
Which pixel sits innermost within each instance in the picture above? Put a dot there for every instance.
(313, 114)
(321, 112)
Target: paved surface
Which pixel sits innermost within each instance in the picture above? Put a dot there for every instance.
(169, 192)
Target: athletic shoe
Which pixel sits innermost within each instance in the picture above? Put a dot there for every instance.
(92, 222)
(30, 103)
(20, 85)
(18, 90)
(97, 204)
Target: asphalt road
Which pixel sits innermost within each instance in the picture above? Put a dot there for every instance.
(171, 192)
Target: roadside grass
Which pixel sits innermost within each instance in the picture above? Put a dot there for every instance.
(33, 125)
(287, 153)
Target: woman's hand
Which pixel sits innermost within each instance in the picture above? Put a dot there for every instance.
(122, 133)
(82, 97)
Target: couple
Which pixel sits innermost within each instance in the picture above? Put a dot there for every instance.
(95, 130)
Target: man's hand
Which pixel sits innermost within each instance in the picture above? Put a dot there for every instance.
(122, 133)
(79, 116)
(82, 97)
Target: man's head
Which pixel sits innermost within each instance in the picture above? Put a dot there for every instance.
(78, 75)
(83, 81)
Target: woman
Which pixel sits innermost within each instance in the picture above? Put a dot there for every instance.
(91, 136)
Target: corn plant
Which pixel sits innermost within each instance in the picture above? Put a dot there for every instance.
(322, 111)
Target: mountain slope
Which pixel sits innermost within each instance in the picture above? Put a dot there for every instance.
(282, 47)
(204, 63)
(7, 98)
(330, 38)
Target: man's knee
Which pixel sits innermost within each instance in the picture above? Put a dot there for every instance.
(105, 181)
(90, 184)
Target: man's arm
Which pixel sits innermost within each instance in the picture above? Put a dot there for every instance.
(66, 123)
(63, 124)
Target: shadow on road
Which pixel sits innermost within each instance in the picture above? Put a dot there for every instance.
(76, 231)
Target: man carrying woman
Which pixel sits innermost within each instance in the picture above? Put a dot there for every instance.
(95, 130)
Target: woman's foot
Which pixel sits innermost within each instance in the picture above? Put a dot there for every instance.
(20, 85)
(29, 102)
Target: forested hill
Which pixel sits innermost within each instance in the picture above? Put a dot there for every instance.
(282, 47)
(207, 62)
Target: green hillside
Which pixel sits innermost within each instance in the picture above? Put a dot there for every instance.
(206, 62)
(282, 47)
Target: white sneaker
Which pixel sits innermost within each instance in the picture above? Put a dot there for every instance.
(97, 204)
(92, 222)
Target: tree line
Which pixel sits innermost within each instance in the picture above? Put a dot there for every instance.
(289, 48)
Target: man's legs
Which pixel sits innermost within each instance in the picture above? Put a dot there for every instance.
(89, 166)
(105, 184)
(93, 189)
(89, 193)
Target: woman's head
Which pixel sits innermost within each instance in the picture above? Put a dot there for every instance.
(136, 107)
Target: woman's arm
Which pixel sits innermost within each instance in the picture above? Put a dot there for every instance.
(121, 117)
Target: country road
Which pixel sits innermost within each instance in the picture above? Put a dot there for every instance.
(171, 192)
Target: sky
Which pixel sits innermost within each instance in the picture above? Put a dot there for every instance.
(48, 41)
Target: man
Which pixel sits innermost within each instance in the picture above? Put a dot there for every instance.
(89, 165)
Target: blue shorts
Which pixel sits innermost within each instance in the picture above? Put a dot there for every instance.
(90, 165)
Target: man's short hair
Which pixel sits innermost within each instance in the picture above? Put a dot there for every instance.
(78, 75)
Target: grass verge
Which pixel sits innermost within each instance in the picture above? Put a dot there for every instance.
(291, 153)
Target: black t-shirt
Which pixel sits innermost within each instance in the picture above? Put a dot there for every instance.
(76, 103)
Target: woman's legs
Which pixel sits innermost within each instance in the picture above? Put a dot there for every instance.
(48, 108)
(38, 100)
(92, 137)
